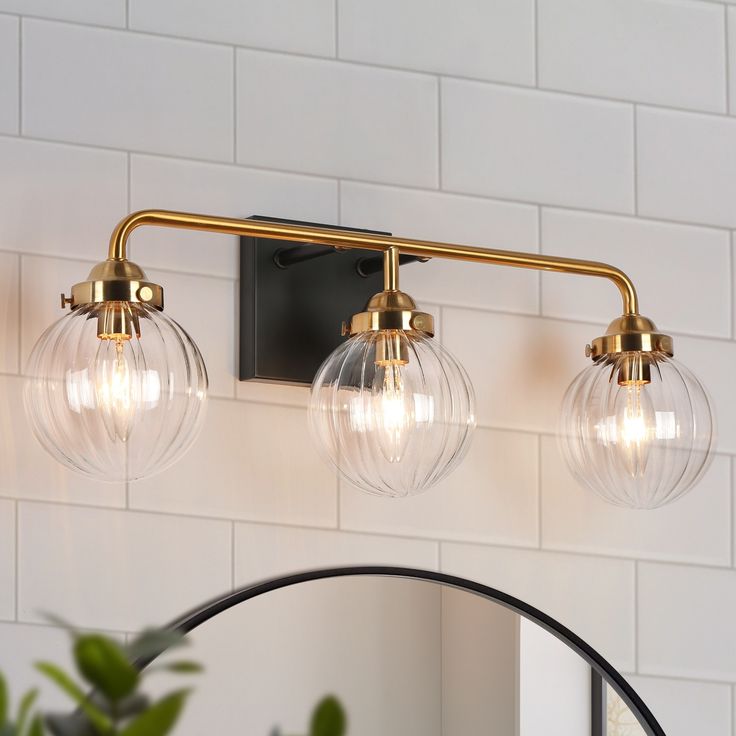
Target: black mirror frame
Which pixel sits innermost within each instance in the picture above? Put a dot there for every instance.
(602, 670)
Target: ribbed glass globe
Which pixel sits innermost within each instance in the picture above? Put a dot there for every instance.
(118, 406)
(393, 411)
(637, 428)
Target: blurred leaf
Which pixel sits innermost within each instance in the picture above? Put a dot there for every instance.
(152, 642)
(3, 701)
(128, 707)
(104, 664)
(99, 720)
(328, 718)
(24, 709)
(36, 728)
(7, 729)
(182, 667)
(70, 724)
(160, 718)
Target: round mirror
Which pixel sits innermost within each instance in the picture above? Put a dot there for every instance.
(405, 653)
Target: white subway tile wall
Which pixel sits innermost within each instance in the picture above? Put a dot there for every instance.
(585, 128)
(9, 74)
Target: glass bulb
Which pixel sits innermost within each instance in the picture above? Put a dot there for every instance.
(637, 428)
(116, 391)
(393, 411)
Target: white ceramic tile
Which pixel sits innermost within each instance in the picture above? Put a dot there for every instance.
(520, 367)
(27, 471)
(42, 281)
(696, 528)
(7, 560)
(684, 708)
(9, 316)
(21, 646)
(697, 259)
(9, 74)
(670, 53)
(205, 308)
(497, 44)
(711, 362)
(125, 90)
(537, 146)
(592, 596)
(252, 462)
(731, 20)
(272, 393)
(336, 119)
(685, 166)
(166, 183)
(454, 219)
(490, 497)
(59, 199)
(685, 617)
(117, 569)
(263, 551)
(301, 26)
(97, 12)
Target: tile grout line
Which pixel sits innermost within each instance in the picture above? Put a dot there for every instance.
(636, 616)
(727, 58)
(731, 295)
(370, 65)
(336, 20)
(634, 117)
(235, 105)
(19, 362)
(540, 248)
(731, 511)
(439, 133)
(540, 544)
(232, 555)
(535, 24)
(17, 560)
(127, 14)
(20, 75)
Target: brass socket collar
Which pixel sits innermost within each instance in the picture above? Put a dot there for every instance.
(630, 333)
(390, 310)
(116, 281)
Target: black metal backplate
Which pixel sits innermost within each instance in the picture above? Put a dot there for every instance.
(290, 318)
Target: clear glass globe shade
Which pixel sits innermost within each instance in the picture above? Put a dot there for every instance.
(393, 411)
(637, 429)
(120, 406)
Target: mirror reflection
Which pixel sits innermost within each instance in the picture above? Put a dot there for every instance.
(403, 657)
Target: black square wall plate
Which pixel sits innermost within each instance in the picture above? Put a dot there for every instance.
(291, 318)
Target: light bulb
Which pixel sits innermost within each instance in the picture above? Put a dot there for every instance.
(116, 390)
(393, 411)
(637, 428)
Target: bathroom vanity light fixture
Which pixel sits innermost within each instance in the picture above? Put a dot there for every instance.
(116, 390)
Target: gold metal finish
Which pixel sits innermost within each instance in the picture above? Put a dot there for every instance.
(346, 239)
(630, 333)
(391, 310)
(116, 281)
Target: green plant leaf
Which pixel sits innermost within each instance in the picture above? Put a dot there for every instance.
(160, 718)
(36, 728)
(328, 718)
(104, 664)
(24, 710)
(3, 701)
(182, 667)
(152, 642)
(98, 719)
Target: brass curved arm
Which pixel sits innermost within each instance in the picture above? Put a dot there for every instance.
(342, 239)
